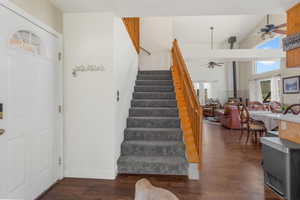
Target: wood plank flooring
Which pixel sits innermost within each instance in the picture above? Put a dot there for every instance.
(231, 171)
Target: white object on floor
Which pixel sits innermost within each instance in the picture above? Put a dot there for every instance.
(144, 190)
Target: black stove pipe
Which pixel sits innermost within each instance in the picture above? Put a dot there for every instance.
(231, 41)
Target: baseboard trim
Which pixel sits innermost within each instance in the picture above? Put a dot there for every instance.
(47, 190)
(91, 174)
(193, 171)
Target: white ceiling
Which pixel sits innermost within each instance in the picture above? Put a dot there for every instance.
(197, 29)
(177, 7)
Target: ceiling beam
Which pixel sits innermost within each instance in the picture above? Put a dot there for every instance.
(233, 55)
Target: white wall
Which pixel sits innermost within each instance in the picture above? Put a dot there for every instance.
(199, 71)
(44, 10)
(93, 122)
(216, 77)
(156, 37)
(125, 72)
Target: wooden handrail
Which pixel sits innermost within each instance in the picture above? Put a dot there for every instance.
(146, 51)
(191, 113)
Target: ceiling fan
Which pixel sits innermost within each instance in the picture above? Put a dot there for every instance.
(270, 29)
(212, 64)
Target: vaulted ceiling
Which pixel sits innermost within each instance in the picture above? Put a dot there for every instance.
(177, 7)
(197, 29)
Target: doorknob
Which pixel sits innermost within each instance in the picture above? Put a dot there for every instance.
(2, 131)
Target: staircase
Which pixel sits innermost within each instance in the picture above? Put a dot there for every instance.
(153, 138)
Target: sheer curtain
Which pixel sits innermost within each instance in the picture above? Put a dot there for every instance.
(275, 88)
(255, 93)
(252, 91)
(259, 91)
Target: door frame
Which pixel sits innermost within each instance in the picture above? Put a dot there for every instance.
(60, 115)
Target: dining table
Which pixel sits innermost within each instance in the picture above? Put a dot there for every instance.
(270, 119)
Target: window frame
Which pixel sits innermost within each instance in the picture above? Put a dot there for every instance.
(254, 63)
(254, 66)
(260, 83)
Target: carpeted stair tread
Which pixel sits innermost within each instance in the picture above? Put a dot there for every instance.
(153, 82)
(171, 165)
(156, 129)
(154, 77)
(154, 95)
(153, 134)
(154, 103)
(153, 111)
(154, 143)
(153, 122)
(153, 148)
(155, 72)
(151, 88)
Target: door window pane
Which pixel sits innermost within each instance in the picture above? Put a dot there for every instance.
(27, 41)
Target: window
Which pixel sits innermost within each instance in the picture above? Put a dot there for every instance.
(27, 41)
(265, 86)
(263, 66)
(265, 90)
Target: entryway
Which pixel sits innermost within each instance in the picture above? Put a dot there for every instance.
(29, 96)
(231, 170)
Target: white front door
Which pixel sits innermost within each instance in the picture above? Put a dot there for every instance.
(29, 96)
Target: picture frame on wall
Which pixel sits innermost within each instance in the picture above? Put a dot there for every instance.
(291, 85)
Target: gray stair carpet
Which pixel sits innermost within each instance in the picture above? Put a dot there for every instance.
(153, 142)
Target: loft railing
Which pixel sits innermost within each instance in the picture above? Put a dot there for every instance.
(133, 27)
(191, 113)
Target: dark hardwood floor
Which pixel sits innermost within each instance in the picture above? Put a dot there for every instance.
(231, 171)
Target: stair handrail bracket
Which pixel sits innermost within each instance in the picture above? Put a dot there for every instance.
(190, 110)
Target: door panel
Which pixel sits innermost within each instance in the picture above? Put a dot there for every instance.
(29, 91)
(16, 163)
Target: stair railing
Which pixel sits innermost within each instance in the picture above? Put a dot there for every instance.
(191, 113)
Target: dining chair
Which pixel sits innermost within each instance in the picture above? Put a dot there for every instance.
(253, 127)
(275, 107)
(256, 106)
(294, 109)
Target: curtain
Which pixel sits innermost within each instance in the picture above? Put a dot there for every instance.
(252, 91)
(275, 89)
(255, 93)
(258, 91)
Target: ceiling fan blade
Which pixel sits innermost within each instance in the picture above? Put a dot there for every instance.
(280, 32)
(281, 26)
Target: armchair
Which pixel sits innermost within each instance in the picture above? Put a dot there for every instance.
(231, 117)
